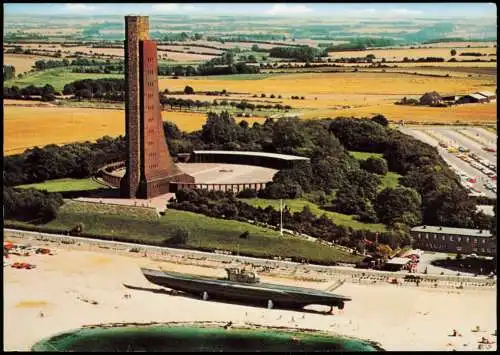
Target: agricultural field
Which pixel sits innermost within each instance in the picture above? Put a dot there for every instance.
(470, 113)
(57, 77)
(333, 83)
(163, 51)
(399, 53)
(192, 48)
(26, 127)
(22, 63)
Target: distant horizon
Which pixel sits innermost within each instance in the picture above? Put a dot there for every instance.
(334, 11)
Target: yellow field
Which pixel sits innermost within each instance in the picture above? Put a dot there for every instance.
(190, 48)
(470, 113)
(119, 51)
(326, 95)
(26, 127)
(22, 63)
(334, 83)
(400, 53)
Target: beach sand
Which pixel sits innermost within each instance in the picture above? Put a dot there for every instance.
(399, 318)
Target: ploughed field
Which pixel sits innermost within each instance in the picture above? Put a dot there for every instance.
(398, 54)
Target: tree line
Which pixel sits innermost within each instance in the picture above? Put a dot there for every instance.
(75, 160)
(47, 92)
(300, 53)
(225, 205)
(30, 205)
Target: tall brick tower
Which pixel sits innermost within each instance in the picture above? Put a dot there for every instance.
(149, 166)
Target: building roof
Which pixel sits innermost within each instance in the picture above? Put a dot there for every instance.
(455, 231)
(430, 94)
(476, 96)
(486, 209)
(486, 93)
(258, 154)
(398, 261)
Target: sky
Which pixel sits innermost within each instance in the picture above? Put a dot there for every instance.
(393, 11)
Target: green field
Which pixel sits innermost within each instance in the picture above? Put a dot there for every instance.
(57, 77)
(365, 155)
(61, 185)
(138, 224)
(298, 204)
(391, 179)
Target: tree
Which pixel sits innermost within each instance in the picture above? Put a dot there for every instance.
(287, 134)
(381, 119)
(188, 90)
(453, 52)
(375, 165)
(400, 205)
(219, 128)
(171, 130)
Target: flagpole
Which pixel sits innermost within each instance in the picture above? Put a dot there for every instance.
(281, 217)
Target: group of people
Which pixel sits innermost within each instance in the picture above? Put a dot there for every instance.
(482, 343)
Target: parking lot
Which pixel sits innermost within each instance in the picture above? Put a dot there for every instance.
(470, 151)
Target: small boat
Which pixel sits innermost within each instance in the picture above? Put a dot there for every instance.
(245, 286)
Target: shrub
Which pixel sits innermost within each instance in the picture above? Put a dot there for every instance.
(244, 235)
(179, 237)
(375, 165)
(247, 193)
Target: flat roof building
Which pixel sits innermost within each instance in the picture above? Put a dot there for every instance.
(454, 240)
(268, 160)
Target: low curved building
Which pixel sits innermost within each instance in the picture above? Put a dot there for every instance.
(263, 159)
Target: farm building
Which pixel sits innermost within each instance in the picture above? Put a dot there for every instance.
(451, 98)
(453, 240)
(472, 98)
(430, 98)
(489, 95)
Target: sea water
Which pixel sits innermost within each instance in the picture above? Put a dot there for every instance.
(198, 339)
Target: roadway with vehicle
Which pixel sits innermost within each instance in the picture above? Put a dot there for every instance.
(475, 166)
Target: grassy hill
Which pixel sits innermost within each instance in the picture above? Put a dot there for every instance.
(143, 225)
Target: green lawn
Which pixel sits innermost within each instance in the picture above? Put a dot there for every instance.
(138, 224)
(391, 179)
(60, 185)
(298, 204)
(57, 77)
(364, 155)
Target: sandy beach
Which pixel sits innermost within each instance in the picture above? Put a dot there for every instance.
(399, 318)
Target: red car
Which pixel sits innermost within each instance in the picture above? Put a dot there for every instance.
(488, 149)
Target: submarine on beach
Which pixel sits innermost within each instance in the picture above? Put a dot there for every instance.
(244, 286)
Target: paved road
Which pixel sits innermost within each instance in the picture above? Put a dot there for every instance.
(468, 143)
(425, 261)
(450, 158)
(487, 137)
